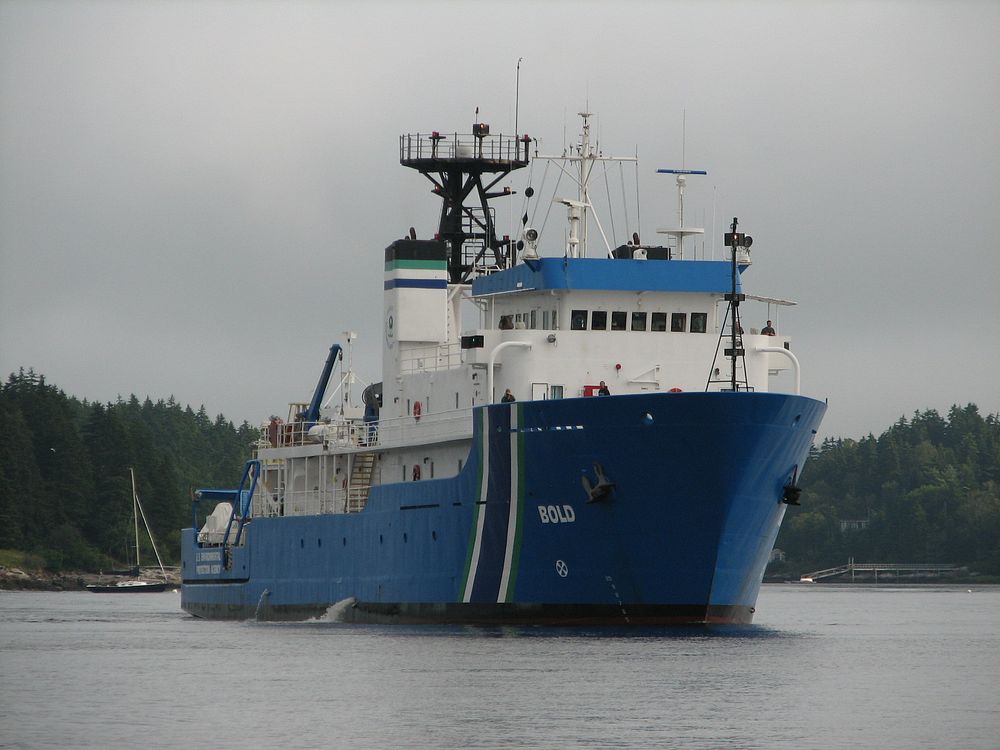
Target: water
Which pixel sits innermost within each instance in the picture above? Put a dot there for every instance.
(822, 667)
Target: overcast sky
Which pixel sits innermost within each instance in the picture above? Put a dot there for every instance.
(195, 197)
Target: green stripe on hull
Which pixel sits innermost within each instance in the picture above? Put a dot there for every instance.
(425, 265)
(476, 505)
(519, 510)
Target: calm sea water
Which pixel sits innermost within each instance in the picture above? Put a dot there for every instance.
(822, 667)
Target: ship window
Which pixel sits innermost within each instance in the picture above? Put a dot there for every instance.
(599, 320)
(638, 321)
(678, 322)
(555, 321)
(579, 320)
(618, 319)
(531, 320)
(658, 322)
(456, 399)
(556, 391)
(432, 469)
(699, 322)
(545, 320)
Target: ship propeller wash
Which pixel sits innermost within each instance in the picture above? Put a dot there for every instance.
(575, 437)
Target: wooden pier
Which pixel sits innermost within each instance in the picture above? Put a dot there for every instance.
(876, 568)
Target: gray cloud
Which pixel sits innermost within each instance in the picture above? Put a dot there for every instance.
(194, 197)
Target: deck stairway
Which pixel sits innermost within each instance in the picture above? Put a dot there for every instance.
(360, 483)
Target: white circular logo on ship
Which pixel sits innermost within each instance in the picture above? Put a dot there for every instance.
(390, 326)
(562, 568)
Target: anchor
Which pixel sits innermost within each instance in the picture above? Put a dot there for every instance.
(791, 492)
(600, 490)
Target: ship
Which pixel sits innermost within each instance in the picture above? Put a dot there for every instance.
(569, 429)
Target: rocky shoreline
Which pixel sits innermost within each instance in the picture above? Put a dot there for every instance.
(17, 579)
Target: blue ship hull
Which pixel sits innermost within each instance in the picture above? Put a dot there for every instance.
(682, 536)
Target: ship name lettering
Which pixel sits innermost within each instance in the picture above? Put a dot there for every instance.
(207, 570)
(556, 513)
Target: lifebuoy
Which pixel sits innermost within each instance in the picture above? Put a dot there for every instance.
(417, 409)
(416, 472)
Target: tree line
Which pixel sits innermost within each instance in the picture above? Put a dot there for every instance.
(927, 490)
(65, 488)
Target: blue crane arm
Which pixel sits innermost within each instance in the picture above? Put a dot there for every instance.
(312, 413)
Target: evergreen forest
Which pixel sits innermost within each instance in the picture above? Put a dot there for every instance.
(65, 488)
(926, 490)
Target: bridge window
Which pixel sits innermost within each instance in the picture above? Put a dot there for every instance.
(678, 322)
(699, 322)
(638, 321)
(545, 320)
(599, 320)
(618, 319)
(531, 320)
(658, 322)
(555, 321)
(579, 320)
(556, 391)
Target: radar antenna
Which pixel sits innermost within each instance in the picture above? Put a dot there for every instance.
(680, 231)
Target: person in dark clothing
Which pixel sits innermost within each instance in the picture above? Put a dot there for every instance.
(507, 397)
(603, 390)
(767, 330)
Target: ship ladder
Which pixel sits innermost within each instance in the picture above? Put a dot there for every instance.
(360, 483)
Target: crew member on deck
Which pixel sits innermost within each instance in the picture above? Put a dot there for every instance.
(507, 397)
(603, 390)
(767, 330)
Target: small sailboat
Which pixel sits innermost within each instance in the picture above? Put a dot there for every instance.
(135, 585)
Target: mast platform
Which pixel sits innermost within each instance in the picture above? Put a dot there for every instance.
(436, 152)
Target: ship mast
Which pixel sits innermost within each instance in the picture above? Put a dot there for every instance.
(680, 231)
(465, 169)
(583, 156)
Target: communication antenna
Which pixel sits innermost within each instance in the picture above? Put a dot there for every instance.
(680, 231)
(517, 92)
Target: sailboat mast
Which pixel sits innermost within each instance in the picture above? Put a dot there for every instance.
(137, 509)
(135, 516)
